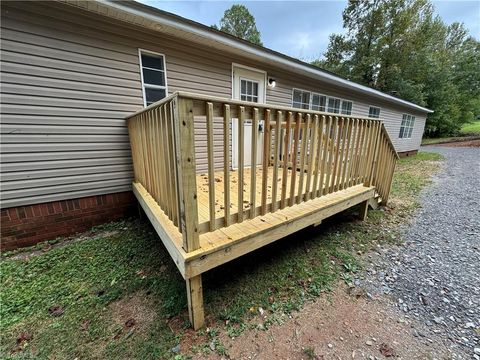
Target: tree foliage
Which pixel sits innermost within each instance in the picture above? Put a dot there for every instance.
(239, 22)
(401, 47)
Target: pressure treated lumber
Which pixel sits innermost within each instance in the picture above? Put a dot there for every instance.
(313, 165)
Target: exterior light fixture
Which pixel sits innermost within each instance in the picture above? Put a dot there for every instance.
(272, 82)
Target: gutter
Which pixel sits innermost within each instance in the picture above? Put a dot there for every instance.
(189, 26)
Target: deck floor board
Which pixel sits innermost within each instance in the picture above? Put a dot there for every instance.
(203, 192)
(224, 244)
(227, 243)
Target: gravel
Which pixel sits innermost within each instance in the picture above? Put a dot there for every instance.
(434, 276)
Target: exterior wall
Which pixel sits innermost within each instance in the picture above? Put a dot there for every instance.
(28, 225)
(69, 78)
(390, 114)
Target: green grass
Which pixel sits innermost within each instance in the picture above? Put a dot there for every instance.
(310, 353)
(467, 130)
(410, 177)
(122, 271)
(471, 129)
(84, 278)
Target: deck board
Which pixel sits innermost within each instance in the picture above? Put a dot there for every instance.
(225, 244)
(203, 192)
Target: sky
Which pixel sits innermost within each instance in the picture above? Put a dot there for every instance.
(301, 28)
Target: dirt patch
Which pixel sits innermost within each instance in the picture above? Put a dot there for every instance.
(343, 326)
(133, 313)
(468, 143)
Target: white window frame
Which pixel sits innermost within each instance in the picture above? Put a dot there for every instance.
(409, 125)
(151, 86)
(309, 98)
(333, 98)
(341, 106)
(252, 69)
(319, 95)
(241, 78)
(327, 97)
(375, 107)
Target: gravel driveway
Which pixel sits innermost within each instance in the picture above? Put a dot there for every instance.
(435, 276)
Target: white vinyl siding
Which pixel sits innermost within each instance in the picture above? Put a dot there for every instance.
(70, 77)
(406, 128)
(374, 112)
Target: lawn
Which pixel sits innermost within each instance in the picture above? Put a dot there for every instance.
(471, 129)
(115, 293)
(468, 131)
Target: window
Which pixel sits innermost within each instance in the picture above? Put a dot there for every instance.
(301, 99)
(154, 80)
(346, 107)
(374, 112)
(248, 90)
(406, 128)
(319, 102)
(333, 105)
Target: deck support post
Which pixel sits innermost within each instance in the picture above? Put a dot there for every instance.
(186, 179)
(364, 210)
(195, 301)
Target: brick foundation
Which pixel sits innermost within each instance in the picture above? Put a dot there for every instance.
(407, 153)
(28, 225)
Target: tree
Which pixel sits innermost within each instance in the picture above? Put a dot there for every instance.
(238, 21)
(401, 47)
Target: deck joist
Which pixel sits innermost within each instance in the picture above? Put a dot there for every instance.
(226, 244)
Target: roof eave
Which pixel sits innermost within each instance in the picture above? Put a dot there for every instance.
(250, 50)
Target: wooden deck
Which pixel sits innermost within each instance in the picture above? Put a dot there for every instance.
(205, 220)
(228, 243)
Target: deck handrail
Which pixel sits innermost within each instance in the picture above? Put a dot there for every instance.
(305, 154)
(152, 141)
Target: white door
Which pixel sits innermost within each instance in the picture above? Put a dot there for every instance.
(248, 85)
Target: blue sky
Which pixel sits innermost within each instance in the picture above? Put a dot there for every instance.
(301, 28)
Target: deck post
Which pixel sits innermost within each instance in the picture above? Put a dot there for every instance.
(364, 210)
(187, 199)
(195, 302)
(374, 159)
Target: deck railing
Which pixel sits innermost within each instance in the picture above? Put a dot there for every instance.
(299, 156)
